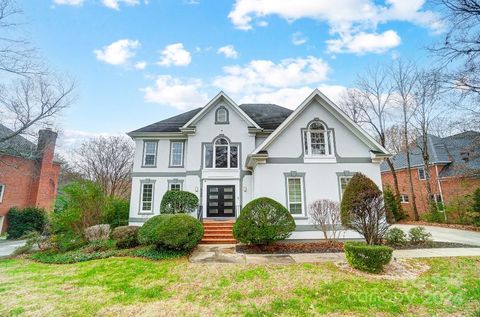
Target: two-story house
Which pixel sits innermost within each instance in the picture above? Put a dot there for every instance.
(229, 154)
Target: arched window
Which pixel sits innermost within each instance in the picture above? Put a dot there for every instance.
(317, 140)
(221, 154)
(221, 115)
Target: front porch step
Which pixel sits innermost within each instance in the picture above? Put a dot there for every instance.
(218, 232)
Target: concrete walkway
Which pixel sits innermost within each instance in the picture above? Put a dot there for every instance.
(448, 234)
(8, 246)
(225, 253)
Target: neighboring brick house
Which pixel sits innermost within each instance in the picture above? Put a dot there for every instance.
(454, 170)
(28, 172)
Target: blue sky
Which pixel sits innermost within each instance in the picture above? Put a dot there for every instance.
(137, 62)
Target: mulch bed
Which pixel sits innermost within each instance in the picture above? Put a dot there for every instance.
(443, 225)
(292, 247)
(331, 247)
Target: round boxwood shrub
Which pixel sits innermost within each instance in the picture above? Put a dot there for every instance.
(176, 202)
(263, 221)
(368, 258)
(125, 236)
(174, 232)
(21, 222)
(395, 237)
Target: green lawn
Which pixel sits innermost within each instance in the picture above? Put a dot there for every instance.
(132, 286)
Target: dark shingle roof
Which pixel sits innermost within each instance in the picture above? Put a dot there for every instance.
(18, 145)
(267, 116)
(447, 151)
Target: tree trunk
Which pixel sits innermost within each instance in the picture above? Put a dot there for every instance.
(426, 167)
(410, 180)
(395, 179)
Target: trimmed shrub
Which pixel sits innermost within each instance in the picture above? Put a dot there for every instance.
(21, 222)
(418, 235)
(116, 212)
(173, 232)
(363, 209)
(177, 202)
(97, 233)
(396, 237)
(263, 221)
(68, 241)
(392, 206)
(368, 258)
(126, 236)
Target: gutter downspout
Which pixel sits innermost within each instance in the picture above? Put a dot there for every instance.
(441, 192)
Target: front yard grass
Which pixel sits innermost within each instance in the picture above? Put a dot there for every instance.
(175, 287)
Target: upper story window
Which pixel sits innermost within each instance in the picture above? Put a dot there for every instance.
(317, 140)
(176, 153)
(150, 153)
(2, 190)
(221, 115)
(221, 154)
(421, 173)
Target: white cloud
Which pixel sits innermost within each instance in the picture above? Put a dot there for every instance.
(361, 43)
(176, 93)
(228, 50)
(175, 54)
(140, 65)
(115, 4)
(69, 2)
(298, 38)
(292, 97)
(347, 18)
(260, 75)
(117, 53)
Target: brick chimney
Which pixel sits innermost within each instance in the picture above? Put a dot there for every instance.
(45, 185)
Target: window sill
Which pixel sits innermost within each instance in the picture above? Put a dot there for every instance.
(148, 166)
(299, 217)
(149, 213)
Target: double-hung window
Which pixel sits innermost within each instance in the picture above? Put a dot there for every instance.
(150, 153)
(404, 199)
(317, 141)
(2, 191)
(344, 180)
(421, 173)
(221, 154)
(176, 153)
(294, 195)
(175, 186)
(147, 198)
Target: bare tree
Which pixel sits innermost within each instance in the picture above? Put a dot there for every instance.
(30, 94)
(107, 161)
(369, 219)
(405, 76)
(427, 94)
(325, 215)
(370, 104)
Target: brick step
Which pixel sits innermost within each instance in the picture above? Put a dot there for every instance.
(218, 230)
(218, 241)
(218, 224)
(218, 235)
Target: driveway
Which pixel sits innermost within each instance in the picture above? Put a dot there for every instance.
(448, 234)
(8, 246)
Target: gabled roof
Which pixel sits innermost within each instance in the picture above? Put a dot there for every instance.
(17, 146)
(336, 112)
(219, 96)
(266, 116)
(444, 151)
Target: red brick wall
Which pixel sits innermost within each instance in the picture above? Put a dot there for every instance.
(449, 187)
(30, 182)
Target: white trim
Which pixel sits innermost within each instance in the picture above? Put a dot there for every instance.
(142, 211)
(181, 153)
(424, 174)
(335, 111)
(210, 104)
(404, 199)
(2, 191)
(302, 206)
